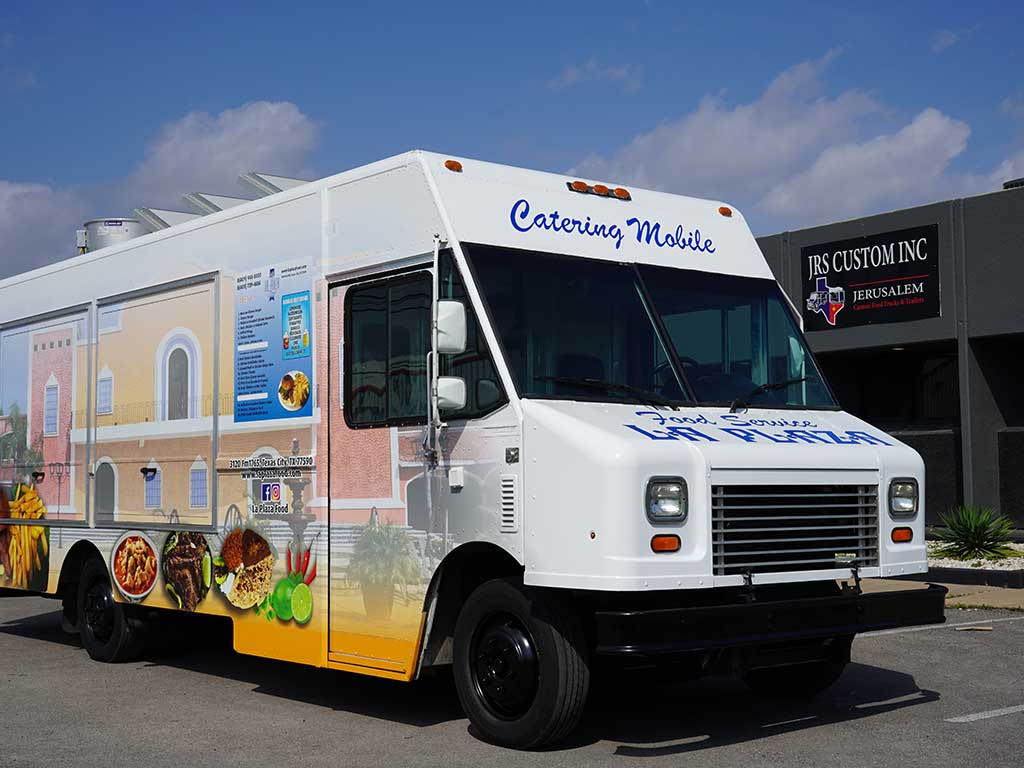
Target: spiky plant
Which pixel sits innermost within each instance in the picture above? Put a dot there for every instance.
(973, 533)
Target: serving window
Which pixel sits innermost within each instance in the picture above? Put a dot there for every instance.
(387, 338)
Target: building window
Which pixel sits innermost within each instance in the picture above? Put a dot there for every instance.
(51, 407)
(256, 485)
(177, 384)
(178, 377)
(105, 488)
(388, 336)
(105, 392)
(110, 319)
(198, 485)
(153, 493)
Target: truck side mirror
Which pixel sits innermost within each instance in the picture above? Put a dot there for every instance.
(451, 392)
(451, 327)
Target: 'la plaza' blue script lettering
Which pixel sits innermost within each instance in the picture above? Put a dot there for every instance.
(645, 231)
(670, 427)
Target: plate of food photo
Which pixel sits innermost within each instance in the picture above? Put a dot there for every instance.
(134, 566)
(293, 391)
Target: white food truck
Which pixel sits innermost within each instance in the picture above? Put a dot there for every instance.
(518, 421)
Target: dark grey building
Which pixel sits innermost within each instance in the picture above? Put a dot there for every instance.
(915, 319)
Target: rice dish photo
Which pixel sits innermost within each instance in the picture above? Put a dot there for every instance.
(244, 568)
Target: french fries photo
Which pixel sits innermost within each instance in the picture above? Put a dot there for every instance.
(24, 548)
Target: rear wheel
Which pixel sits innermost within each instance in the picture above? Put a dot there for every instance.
(103, 624)
(803, 681)
(521, 668)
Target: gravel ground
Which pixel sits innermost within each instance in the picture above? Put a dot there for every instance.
(1015, 563)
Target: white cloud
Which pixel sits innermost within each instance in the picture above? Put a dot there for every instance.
(1014, 105)
(891, 170)
(718, 150)
(198, 153)
(943, 39)
(794, 156)
(205, 153)
(37, 225)
(630, 78)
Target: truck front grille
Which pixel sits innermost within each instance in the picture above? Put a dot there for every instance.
(777, 528)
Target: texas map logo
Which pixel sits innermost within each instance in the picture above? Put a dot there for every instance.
(826, 300)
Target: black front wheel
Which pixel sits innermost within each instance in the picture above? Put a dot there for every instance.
(103, 624)
(521, 666)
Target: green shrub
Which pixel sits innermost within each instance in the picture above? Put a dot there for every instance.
(969, 533)
(382, 557)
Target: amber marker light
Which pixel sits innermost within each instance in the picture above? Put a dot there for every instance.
(601, 189)
(579, 186)
(453, 165)
(622, 194)
(665, 542)
(902, 535)
(725, 211)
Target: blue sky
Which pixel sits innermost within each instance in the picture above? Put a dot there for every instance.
(797, 113)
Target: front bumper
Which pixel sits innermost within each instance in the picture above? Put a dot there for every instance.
(675, 630)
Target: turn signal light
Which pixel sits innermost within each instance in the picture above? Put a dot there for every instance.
(902, 535)
(725, 210)
(453, 165)
(665, 542)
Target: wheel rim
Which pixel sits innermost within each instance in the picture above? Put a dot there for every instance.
(98, 611)
(504, 666)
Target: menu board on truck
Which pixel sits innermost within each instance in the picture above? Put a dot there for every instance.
(273, 343)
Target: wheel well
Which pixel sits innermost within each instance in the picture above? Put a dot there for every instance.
(67, 585)
(463, 570)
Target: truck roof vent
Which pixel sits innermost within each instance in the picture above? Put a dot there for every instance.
(1014, 183)
(509, 504)
(99, 233)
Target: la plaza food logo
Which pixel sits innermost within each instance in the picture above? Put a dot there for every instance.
(826, 300)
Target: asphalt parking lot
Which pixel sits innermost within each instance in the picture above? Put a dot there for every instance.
(924, 697)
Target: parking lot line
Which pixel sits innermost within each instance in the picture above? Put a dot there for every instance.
(986, 715)
(881, 632)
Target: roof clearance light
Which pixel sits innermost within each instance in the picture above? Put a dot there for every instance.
(600, 190)
(725, 211)
(453, 165)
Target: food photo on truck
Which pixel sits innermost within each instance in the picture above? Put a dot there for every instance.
(440, 414)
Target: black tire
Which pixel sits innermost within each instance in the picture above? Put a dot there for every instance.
(103, 624)
(520, 665)
(802, 681)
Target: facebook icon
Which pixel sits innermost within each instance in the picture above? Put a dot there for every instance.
(271, 492)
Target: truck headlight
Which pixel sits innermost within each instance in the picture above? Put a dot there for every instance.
(903, 497)
(666, 500)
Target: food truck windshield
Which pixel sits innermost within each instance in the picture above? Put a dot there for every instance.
(585, 329)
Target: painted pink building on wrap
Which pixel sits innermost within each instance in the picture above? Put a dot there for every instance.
(52, 380)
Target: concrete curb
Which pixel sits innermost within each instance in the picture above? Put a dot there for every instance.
(970, 576)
